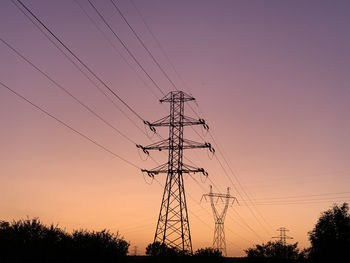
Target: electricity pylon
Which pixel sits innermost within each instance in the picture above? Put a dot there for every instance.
(173, 228)
(219, 240)
(283, 237)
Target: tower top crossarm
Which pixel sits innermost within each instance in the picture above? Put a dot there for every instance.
(227, 197)
(175, 96)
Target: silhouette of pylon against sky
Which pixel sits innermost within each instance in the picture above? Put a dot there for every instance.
(283, 237)
(173, 228)
(219, 240)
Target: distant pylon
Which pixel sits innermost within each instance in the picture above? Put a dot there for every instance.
(219, 241)
(283, 237)
(173, 228)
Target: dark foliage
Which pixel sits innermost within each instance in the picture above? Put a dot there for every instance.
(29, 240)
(157, 249)
(208, 252)
(330, 238)
(275, 252)
(160, 252)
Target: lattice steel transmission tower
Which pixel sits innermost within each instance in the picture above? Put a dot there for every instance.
(219, 240)
(283, 237)
(173, 226)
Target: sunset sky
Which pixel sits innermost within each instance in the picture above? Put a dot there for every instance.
(271, 79)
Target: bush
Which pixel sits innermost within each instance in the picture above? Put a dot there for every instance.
(157, 249)
(275, 252)
(30, 240)
(101, 245)
(208, 252)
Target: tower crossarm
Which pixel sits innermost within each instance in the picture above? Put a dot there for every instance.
(220, 196)
(224, 198)
(161, 145)
(186, 121)
(188, 144)
(164, 145)
(164, 168)
(177, 96)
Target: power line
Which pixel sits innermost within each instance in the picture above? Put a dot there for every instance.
(78, 59)
(160, 45)
(68, 126)
(300, 196)
(143, 45)
(71, 51)
(125, 46)
(205, 209)
(219, 149)
(225, 172)
(85, 75)
(148, 51)
(67, 92)
(156, 62)
(166, 75)
(71, 95)
(302, 201)
(78, 68)
(232, 185)
(246, 224)
(115, 48)
(227, 175)
(74, 97)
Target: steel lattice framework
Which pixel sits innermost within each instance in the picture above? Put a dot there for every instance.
(219, 241)
(173, 228)
(283, 236)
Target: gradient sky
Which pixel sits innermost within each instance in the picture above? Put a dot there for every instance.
(272, 79)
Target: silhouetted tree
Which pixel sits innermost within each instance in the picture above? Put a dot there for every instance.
(275, 252)
(208, 254)
(157, 249)
(330, 238)
(102, 245)
(31, 241)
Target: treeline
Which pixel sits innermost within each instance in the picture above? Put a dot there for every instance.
(330, 242)
(31, 241)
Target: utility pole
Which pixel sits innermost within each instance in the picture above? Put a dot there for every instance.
(219, 241)
(283, 237)
(173, 228)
